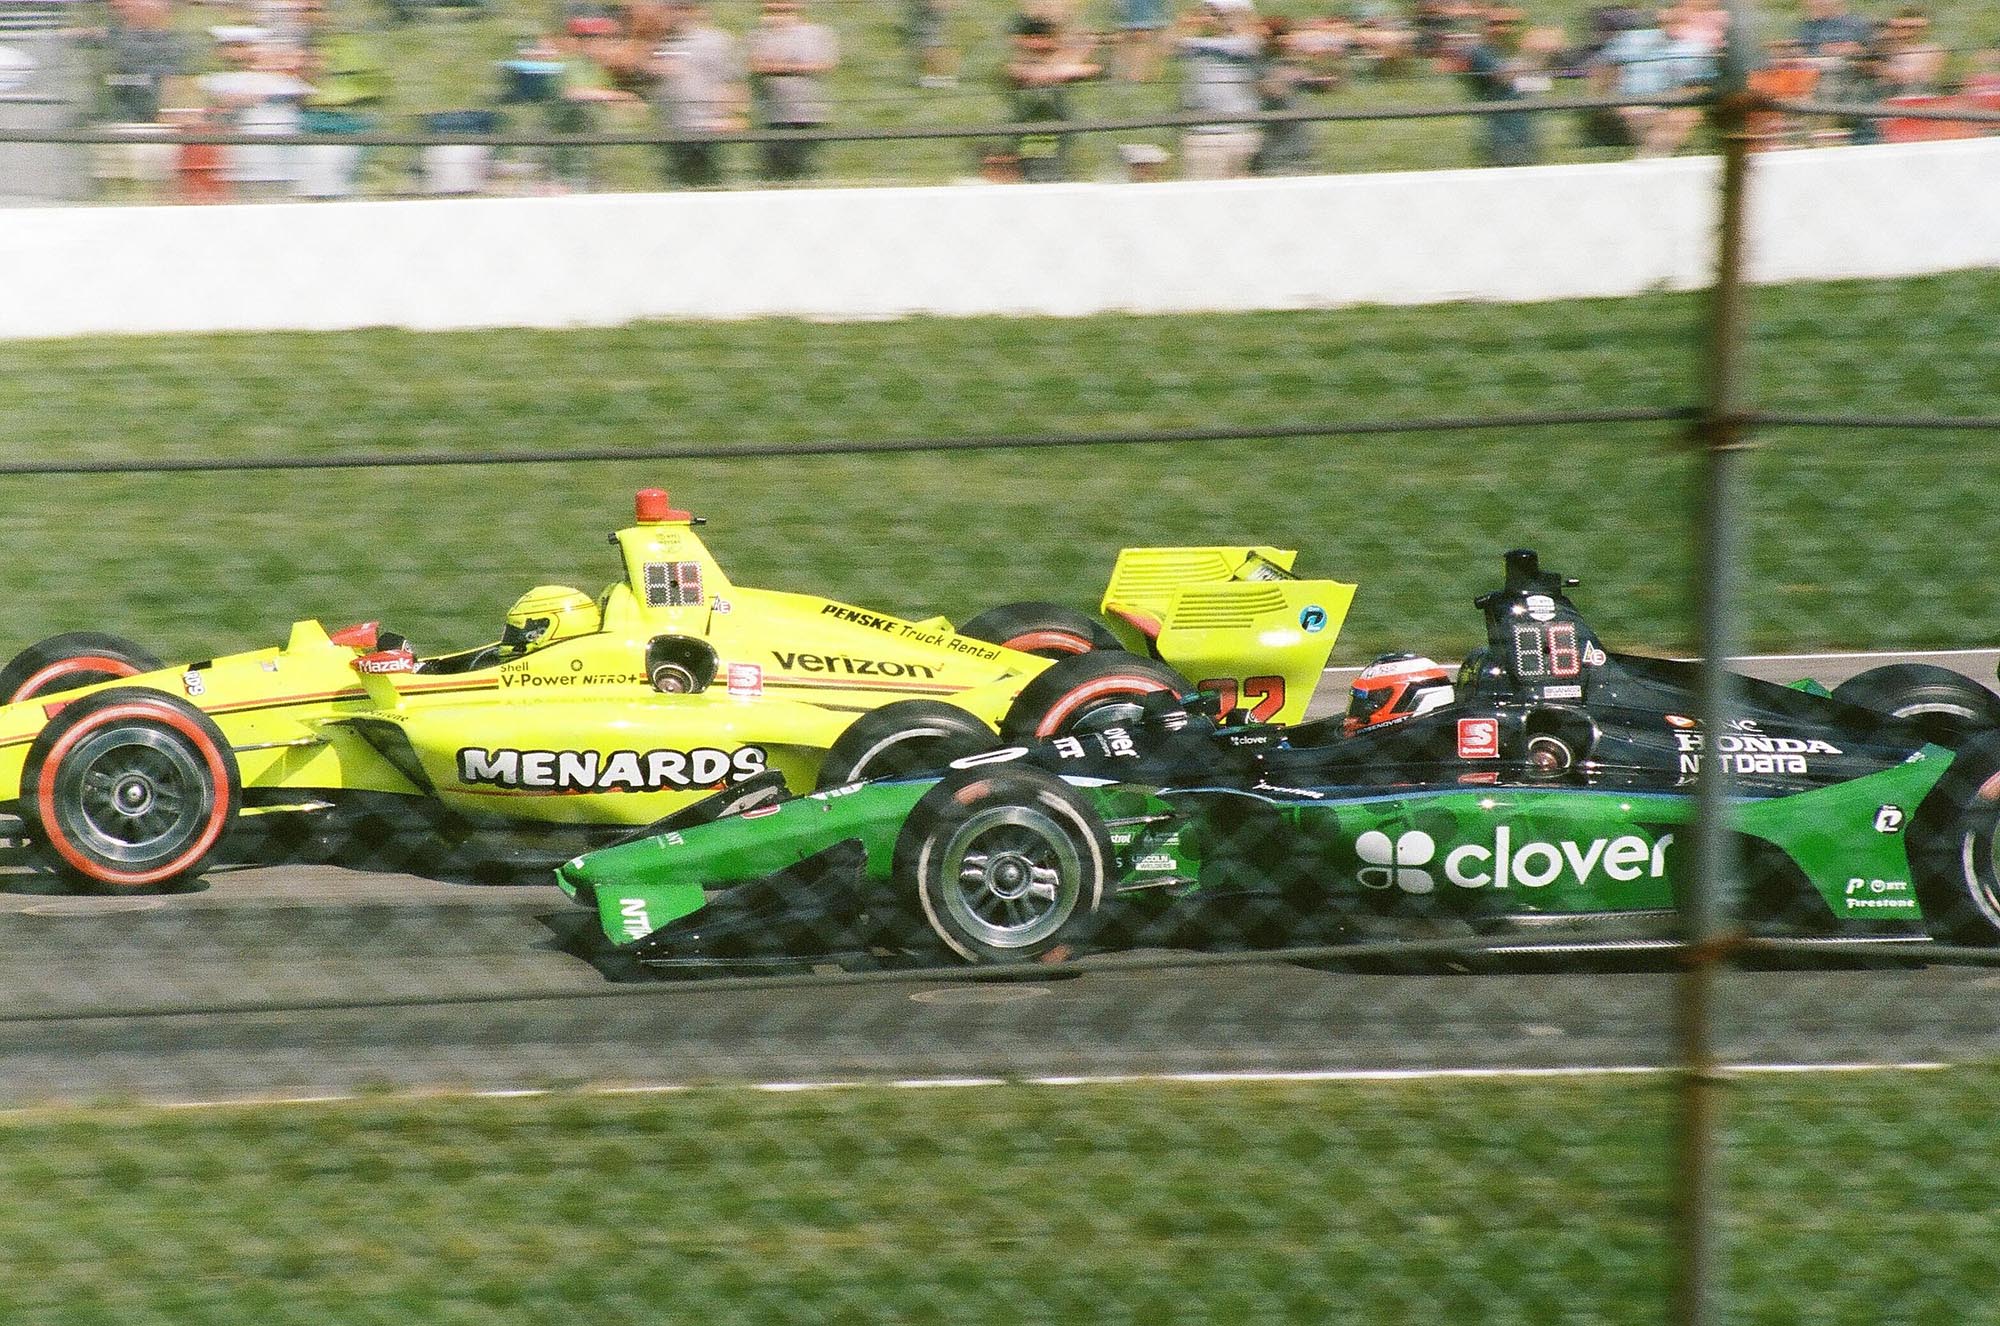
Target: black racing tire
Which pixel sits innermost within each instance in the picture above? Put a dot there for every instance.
(1088, 691)
(1955, 848)
(1004, 864)
(1048, 630)
(1945, 699)
(65, 662)
(907, 737)
(129, 789)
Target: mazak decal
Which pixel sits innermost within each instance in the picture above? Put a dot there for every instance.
(1478, 738)
(1752, 752)
(958, 644)
(849, 666)
(614, 771)
(1404, 862)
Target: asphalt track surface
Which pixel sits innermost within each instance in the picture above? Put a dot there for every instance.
(317, 980)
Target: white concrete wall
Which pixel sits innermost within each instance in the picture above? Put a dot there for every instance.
(1547, 232)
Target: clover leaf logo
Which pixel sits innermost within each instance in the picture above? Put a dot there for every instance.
(1397, 864)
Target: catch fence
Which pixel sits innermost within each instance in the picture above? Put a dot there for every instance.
(1729, 1110)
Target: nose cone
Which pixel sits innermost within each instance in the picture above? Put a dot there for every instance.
(578, 880)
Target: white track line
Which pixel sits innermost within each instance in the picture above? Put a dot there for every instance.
(1246, 1078)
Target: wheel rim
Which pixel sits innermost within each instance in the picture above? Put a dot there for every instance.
(1979, 861)
(672, 679)
(1011, 876)
(1120, 713)
(134, 794)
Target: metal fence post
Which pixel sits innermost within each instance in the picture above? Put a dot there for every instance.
(1707, 904)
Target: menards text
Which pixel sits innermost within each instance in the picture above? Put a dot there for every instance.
(608, 771)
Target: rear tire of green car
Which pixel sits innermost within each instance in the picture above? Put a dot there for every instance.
(1923, 691)
(1955, 848)
(907, 737)
(1004, 863)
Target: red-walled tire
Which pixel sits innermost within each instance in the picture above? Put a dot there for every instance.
(129, 789)
(1047, 629)
(65, 662)
(1087, 691)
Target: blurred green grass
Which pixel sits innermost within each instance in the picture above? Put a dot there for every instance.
(1870, 538)
(1848, 1197)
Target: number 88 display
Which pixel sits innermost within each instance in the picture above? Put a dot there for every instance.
(1547, 651)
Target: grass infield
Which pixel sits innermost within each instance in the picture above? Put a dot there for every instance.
(1518, 1201)
(1854, 538)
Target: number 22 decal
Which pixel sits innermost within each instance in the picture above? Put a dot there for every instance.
(1268, 692)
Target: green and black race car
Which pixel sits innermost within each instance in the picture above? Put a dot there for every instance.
(1550, 785)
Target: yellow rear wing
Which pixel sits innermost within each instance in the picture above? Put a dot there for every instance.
(1232, 620)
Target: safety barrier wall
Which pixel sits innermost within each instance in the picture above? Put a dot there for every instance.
(1525, 234)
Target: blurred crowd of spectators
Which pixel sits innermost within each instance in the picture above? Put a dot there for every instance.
(1233, 62)
(631, 65)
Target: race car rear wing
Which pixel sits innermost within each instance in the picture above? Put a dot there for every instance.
(1234, 620)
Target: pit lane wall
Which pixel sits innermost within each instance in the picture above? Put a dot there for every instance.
(1539, 233)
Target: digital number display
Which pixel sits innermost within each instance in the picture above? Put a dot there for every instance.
(1547, 651)
(673, 584)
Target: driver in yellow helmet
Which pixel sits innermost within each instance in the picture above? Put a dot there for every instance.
(546, 614)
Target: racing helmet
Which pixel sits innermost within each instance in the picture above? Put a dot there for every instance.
(546, 614)
(1395, 687)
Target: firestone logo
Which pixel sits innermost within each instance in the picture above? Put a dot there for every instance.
(1402, 863)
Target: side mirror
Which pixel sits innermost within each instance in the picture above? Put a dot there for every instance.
(679, 664)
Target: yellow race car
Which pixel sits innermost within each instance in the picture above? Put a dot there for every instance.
(616, 710)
